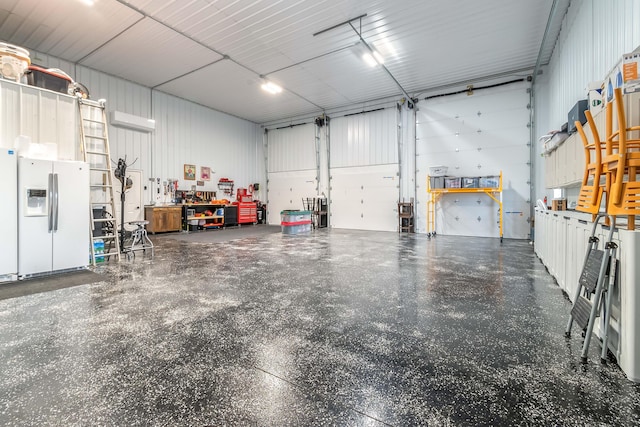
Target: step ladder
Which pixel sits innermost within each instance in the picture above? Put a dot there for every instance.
(595, 288)
(95, 148)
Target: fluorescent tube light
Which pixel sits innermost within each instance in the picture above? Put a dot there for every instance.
(378, 57)
(368, 58)
(373, 59)
(271, 88)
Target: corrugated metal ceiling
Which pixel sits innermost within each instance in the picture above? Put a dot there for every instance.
(214, 52)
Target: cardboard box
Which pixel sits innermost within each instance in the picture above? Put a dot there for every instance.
(625, 75)
(559, 204)
(595, 97)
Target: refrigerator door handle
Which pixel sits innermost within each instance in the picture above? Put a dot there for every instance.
(56, 198)
(50, 191)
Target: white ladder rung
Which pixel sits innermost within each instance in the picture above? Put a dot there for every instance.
(110, 237)
(93, 121)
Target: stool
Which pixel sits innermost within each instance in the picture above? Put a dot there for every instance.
(140, 239)
(591, 190)
(624, 167)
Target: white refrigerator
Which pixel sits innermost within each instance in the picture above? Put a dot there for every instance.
(53, 216)
(8, 215)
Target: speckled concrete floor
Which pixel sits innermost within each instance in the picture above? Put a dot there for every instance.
(338, 328)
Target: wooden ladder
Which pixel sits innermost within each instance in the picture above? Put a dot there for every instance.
(95, 148)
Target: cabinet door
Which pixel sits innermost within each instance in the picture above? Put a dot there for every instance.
(158, 220)
(550, 170)
(174, 219)
(148, 216)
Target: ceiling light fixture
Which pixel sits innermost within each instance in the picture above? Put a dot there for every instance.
(373, 58)
(88, 2)
(271, 87)
(368, 58)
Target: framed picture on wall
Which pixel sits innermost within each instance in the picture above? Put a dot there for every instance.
(205, 173)
(190, 172)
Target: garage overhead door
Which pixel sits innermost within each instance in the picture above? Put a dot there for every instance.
(291, 169)
(364, 171)
(477, 135)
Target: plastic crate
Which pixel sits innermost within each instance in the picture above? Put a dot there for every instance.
(438, 170)
(470, 182)
(295, 222)
(437, 182)
(489, 182)
(289, 216)
(47, 79)
(296, 229)
(452, 182)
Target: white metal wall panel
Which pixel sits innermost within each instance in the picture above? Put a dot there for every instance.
(48, 61)
(292, 168)
(42, 115)
(478, 135)
(292, 148)
(187, 133)
(121, 95)
(364, 139)
(286, 191)
(594, 36)
(364, 173)
(365, 198)
(10, 113)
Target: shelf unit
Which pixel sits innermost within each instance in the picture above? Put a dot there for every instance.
(322, 212)
(435, 194)
(405, 217)
(189, 211)
(226, 186)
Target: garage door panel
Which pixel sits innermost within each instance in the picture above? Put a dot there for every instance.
(468, 215)
(286, 191)
(365, 197)
(478, 135)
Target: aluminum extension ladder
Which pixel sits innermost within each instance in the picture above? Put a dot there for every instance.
(594, 293)
(95, 148)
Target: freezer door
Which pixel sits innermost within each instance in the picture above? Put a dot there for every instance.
(8, 213)
(71, 243)
(34, 237)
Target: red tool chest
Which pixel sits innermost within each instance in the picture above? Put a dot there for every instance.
(247, 212)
